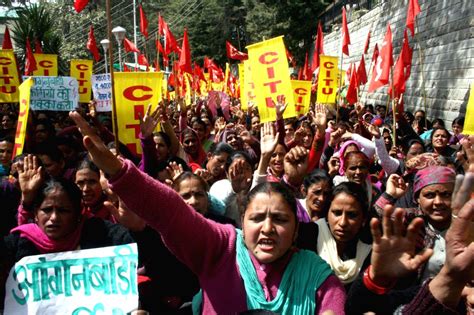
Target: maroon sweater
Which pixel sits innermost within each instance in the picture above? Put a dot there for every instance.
(206, 247)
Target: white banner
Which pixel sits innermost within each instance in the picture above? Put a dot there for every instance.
(102, 90)
(93, 281)
(54, 93)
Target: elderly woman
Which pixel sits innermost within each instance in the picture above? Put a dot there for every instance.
(258, 265)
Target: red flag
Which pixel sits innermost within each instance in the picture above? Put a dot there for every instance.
(381, 74)
(318, 48)
(165, 57)
(143, 22)
(129, 46)
(30, 62)
(375, 54)
(198, 73)
(233, 53)
(407, 54)
(307, 74)
(413, 11)
(351, 95)
(171, 45)
(367, 43)
(38, 49)
(402, 68)
(290, 57)
(349, 72)
(7, 41)
(125, 68)
(92, 45)
(79, 5)
(300, 74)
(185, 56)
(215, 72)
(142, 60)
(345, 33)
(361, 73)
(156, 65)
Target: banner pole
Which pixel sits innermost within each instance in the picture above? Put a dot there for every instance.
(111, 60)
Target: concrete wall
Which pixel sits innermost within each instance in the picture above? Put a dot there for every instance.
(445, 34)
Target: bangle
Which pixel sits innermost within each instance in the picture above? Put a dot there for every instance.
(371, 286)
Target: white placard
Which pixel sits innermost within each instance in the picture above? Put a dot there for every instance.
(102, 91)
(54, 93)
(93, 281)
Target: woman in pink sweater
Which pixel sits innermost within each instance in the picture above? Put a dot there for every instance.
(256, 268)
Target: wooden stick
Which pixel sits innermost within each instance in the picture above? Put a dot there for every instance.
(420, 57)
(111, 61)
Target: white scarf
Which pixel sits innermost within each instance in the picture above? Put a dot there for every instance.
(348, 270)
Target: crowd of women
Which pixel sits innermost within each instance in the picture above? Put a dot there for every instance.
(328, 213)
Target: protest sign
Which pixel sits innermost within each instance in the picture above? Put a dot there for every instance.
(271, 77)
(54, 93)
(469, 123)
(327, 80)
(46, 64)
(133, 92)
(302, 95)
(20, 133)
(101, 280)
(9, 79)
(81, 70)
(102, 90)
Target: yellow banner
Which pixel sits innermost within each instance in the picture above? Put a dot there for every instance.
(302, 96)
(187, 82)
(271, 77)
(82, 71)
(20, 134)
(247, 93)
(133, 92)
(226, 78)
(9, 80)
(47, 65)
(327, 80)
(469, 123)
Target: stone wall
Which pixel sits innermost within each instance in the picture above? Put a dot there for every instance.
(443, 68)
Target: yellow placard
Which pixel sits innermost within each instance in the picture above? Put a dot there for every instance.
(47, 65)
(271, 77)
(133, 92)
(25, 89)
(327, 80)
(302, 96)
(469, 122)
(9, 80)
(81, 69)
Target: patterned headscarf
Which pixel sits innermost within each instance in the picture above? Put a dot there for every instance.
(422, 161)
(433, 175)
(342, 152)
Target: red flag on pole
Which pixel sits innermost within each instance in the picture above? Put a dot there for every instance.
(30, 62)
(402, 68)
(7, 41)
(233, 53)
(185, 56)
(318, 48)
(38, 49)
(413, 11)
(199, 73)
(367, 43)
(307, 74)
(345, 33)
(351, 95)
(290, 57)
(407, 54)
(171, 45)
(129, 46)
(79, 5)
(381, 74)
(165, 57)
(92, 45)
(142, 60)
(143, 22)
(361, 73)
(375, 54)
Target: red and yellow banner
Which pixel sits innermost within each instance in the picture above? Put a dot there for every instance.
(47, 65)
(469, 123)
(9, 80)
(327, 80)
(302, 96)
(271, 77)
(82, 71)
(133, 92)
(25, 89)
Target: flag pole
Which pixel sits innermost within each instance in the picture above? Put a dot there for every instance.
(394, 108)
(158, 39)
(135, 30)
(420, 57)
(111, 61)
(339, 99)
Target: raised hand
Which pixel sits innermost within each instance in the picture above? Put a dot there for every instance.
(98, 151)
(374, 130)
(92, 109)
(320, 115)
(268, 139)
(174, 170)
(299, 135)
(30, 178)
(393, 252)
(396, 186)
(240, 183)
(220, 124)
(121, 213)
(335, 137)
(280, 106)
(205, 174)
(296, 165)
(149, 122)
